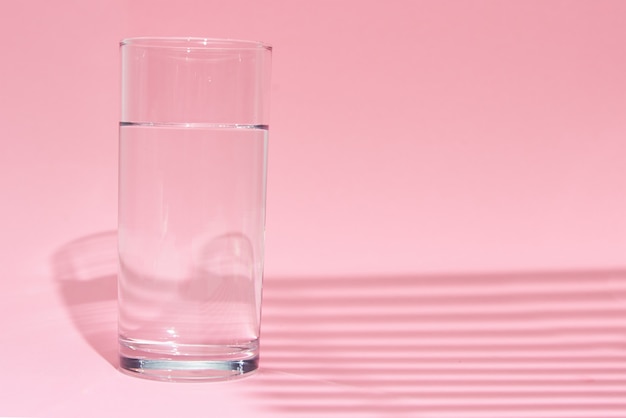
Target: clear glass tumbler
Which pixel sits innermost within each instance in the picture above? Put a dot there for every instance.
(192, 175)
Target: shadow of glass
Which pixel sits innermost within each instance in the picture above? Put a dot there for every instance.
(85, 271)
(493, 345)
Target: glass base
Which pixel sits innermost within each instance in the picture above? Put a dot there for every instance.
(193, 370)
(160, 361)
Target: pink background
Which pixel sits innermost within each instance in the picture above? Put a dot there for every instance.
(446, 231)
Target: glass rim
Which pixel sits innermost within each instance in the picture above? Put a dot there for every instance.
(193, 42)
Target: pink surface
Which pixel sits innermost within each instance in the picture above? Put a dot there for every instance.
(445, 235)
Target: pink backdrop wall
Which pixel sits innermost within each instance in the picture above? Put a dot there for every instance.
(407, 138)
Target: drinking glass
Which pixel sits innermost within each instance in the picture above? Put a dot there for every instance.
(191, 217)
